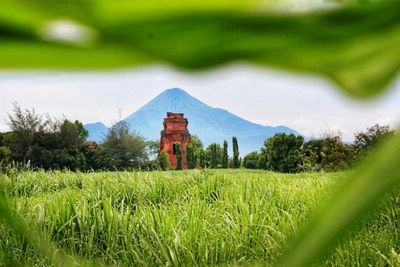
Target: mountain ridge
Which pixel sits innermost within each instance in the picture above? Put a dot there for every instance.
(208, 123)
(97, 131)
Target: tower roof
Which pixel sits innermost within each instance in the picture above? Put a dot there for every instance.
(172, 115)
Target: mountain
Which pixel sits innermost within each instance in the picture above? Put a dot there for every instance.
(96, 131)
(208, 123)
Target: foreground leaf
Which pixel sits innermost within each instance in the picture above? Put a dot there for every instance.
(363, 189)
(356, 46)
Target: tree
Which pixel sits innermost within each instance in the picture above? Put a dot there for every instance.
(225, 158)
(335, 154)
(122, 148)
(5, 152)
(63, 158)
(283, 153)
(163, 161)
(250, 161)
(25, 125)
(5, 155)
(72, 134)
(202, 158)
(236, 161)
(61, 146)
(327, 154)
(196, 142)
(91, 151)
(312, 155)
(367, 140)
(46, 142)
(2, 135)
(190, 155)
(198, 150)
(213, 155)
(178, 155)
(153, 148)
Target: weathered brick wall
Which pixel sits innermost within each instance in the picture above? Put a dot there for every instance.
(175, 130)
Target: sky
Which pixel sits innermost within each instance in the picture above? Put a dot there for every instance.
(309, 104)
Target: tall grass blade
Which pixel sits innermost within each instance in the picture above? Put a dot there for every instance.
(35, 237)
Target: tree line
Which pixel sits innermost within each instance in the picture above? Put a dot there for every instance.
(214, 156)
(290, 153)
(47, 143)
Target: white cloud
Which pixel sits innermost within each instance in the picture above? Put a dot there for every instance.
(308, 104)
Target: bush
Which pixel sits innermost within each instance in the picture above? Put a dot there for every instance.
(163, 161)
(5, 155)
(251, 161)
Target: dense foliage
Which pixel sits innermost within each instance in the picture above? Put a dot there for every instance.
(190, 156)
(214, 152)
(368, 140)
(289, 153)
(163, 161)
(122, 149)
(328, 154)
(50, 144)
(45, 142)
(282, 153)
(251, 160)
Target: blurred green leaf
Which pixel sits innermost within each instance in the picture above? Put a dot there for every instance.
(356, 45)
(34, 55)
(358, 195)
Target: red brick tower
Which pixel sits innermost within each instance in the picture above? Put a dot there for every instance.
(175, 130)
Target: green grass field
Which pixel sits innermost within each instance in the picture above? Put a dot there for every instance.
(185, 218)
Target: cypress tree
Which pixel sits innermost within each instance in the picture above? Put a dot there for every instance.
(196, 159)
(236, 162)
(214, 156)
(178, 156)
(191, 161)
(202, 158)
(225, 155)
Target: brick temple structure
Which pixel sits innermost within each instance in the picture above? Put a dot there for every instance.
(175, 130)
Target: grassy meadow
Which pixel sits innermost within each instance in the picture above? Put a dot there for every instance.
(185, 218)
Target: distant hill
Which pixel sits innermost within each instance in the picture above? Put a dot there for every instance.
(96, 131)
(208, 123)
